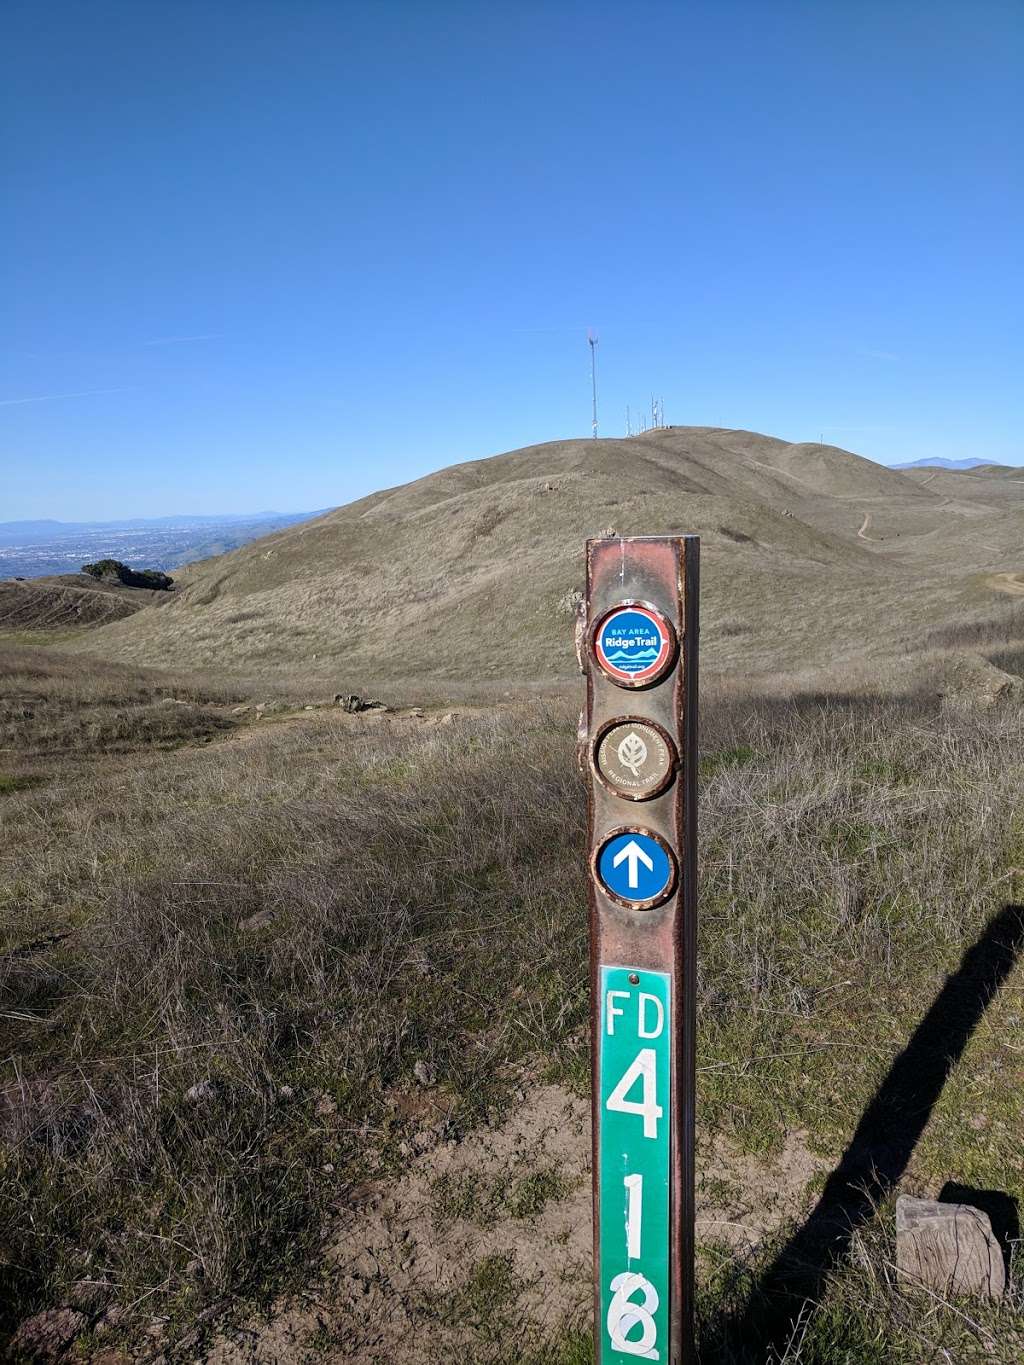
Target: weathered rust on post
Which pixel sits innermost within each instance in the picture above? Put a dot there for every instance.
(642, 799)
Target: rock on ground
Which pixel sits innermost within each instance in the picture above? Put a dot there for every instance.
(950, 1248)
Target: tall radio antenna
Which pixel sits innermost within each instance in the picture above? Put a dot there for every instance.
(592, 339)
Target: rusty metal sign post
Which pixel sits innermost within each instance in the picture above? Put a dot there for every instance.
(639, 652)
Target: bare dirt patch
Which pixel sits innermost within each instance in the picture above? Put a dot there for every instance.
(489, 1240)
(1010, 583)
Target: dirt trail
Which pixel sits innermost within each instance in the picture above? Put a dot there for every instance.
(255, 724)
(405, 1269)
(862, 533)
(1010, 583)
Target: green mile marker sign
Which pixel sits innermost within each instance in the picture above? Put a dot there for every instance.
(636, 1118)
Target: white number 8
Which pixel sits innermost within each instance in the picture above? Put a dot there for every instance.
(624, 1315)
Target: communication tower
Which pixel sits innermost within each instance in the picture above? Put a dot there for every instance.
(592, 339)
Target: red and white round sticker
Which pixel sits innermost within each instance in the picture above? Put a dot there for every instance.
(634, 644)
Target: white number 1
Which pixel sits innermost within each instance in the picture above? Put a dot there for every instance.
(640, 1068)
(634, 1213)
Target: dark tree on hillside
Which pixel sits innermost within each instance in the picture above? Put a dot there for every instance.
(131, 578)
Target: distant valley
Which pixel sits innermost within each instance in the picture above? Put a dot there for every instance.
(33, 549)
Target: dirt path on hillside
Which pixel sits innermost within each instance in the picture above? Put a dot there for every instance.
(251, 727)
(1010, 583)
(437, 1266)
(863, 532)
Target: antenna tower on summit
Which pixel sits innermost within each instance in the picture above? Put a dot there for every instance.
(592, 339)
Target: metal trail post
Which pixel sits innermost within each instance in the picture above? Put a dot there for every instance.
(640, 657)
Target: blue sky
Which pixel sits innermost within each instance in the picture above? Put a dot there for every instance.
(281, 254)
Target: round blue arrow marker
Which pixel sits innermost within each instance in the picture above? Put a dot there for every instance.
(636, 867)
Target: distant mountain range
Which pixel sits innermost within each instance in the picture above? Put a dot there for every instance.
(37, 549)
(938, 463)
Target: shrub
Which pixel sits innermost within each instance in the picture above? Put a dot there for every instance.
(131, 578)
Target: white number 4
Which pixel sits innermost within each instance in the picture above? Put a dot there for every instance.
(640, 1068)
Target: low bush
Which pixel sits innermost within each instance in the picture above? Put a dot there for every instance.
(131, 578)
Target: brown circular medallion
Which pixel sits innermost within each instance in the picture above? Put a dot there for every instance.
(634, 758)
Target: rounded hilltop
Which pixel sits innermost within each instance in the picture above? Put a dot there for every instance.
(469, 573)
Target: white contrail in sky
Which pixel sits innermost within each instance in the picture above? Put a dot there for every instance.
(52, 397)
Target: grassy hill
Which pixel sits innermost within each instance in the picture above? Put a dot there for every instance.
(296, 999)
(67, 603)
(468, 574)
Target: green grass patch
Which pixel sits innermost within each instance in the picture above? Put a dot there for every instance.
(15, 783)
(736, 756)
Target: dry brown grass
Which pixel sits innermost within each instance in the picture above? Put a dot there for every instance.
(66, 602)
(52, 704)
(415, 581)
(284, 923)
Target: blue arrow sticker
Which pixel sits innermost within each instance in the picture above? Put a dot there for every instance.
(635, 867)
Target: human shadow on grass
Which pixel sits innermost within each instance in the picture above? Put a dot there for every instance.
(879, 1150)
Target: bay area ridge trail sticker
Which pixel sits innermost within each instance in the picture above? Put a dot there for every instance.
(636, 868)
(634, 644)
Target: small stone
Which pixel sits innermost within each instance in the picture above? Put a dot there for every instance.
(328, 1168)
(47, 1336)
(950, 1248)
(425, 1073)
(310, 708)
(89, 1296)
(258, 921)
(110, 1321)
(201, 1092)
(285, 1093)
(240, 710)
(447, 719)
(420, 963)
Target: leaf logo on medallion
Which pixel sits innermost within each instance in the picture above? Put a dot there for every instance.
(632, 752)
